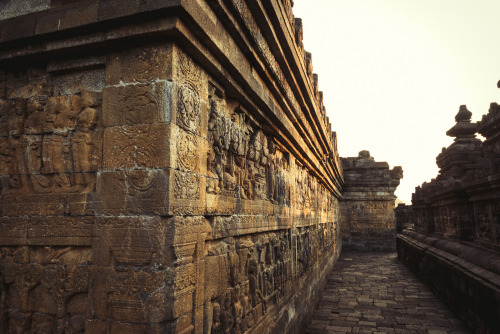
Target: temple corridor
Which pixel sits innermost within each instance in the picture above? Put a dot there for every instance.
(371, 292)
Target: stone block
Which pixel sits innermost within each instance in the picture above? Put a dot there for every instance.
(188, 110)
(19, 8)
(189, 74)
(143, 146)
(190, 151)
(129, 295)
(81, 204)
(137, 104)
(65, 18)
(14, 231)
(151, 192)
(132, 242)
(139, 65)
(17, 27)
(60, 231)
(110, 9)
(111, 193)
(33, 205)
(147, 191)
(71, 81)
(186, 195)
(217, 273)
(220, 205)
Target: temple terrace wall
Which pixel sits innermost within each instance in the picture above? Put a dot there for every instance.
(454, 246)
(166, 167)
(367, 209)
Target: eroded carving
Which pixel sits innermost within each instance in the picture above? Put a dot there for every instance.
(50, 145)
(189, 112)
(187, 151)
(186, 185)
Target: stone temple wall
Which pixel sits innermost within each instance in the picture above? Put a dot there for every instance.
(454, 246)
(404, 216)
(367, 209)
(165, 167)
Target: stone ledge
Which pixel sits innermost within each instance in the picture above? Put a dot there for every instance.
(475, 256)
(462, 282)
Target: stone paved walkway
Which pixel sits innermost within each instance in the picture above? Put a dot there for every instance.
(376, 293)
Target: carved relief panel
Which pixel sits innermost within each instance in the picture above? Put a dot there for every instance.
(484, 219)
(51, 144)
(258, 274)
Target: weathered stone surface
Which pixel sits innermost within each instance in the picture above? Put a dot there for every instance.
(404, 218)
(455, 242)
(373, 292)
(163, 169)
(367, 209)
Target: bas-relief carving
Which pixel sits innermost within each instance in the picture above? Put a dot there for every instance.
(50, 147)
(46, 295)
(189, 93)
(189, 109)
(138, 65)
(188, 155)
(242, 161)
(259, 273)
(186, 185)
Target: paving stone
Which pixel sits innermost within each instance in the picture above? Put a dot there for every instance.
(375, 293)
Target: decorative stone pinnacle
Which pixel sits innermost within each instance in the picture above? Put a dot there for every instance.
(463, 114)
(364, 154)
(464, 128)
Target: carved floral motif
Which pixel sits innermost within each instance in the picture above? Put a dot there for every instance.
(186, 185)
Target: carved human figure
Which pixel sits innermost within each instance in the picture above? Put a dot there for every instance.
(256, 177)
(6, 156)
(233, 259)
(237, 309)
(33, 162)
(215, 131)
(82, 145)
(483, 227)
(240, 162)
(25, 281)
(17, 118)
(254, 152)
(227, 316)
(56, 147)
(271, 173)
(36, 115)
(256, 295)
(4, 116)
(216, 318)
(496, 220)
(246, 303)
(14, 146)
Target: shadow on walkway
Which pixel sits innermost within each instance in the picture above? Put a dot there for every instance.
(371, 292)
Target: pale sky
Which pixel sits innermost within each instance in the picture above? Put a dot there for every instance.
(394, 73)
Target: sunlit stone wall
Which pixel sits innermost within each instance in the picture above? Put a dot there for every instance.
(166, 167)
(367, 210)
